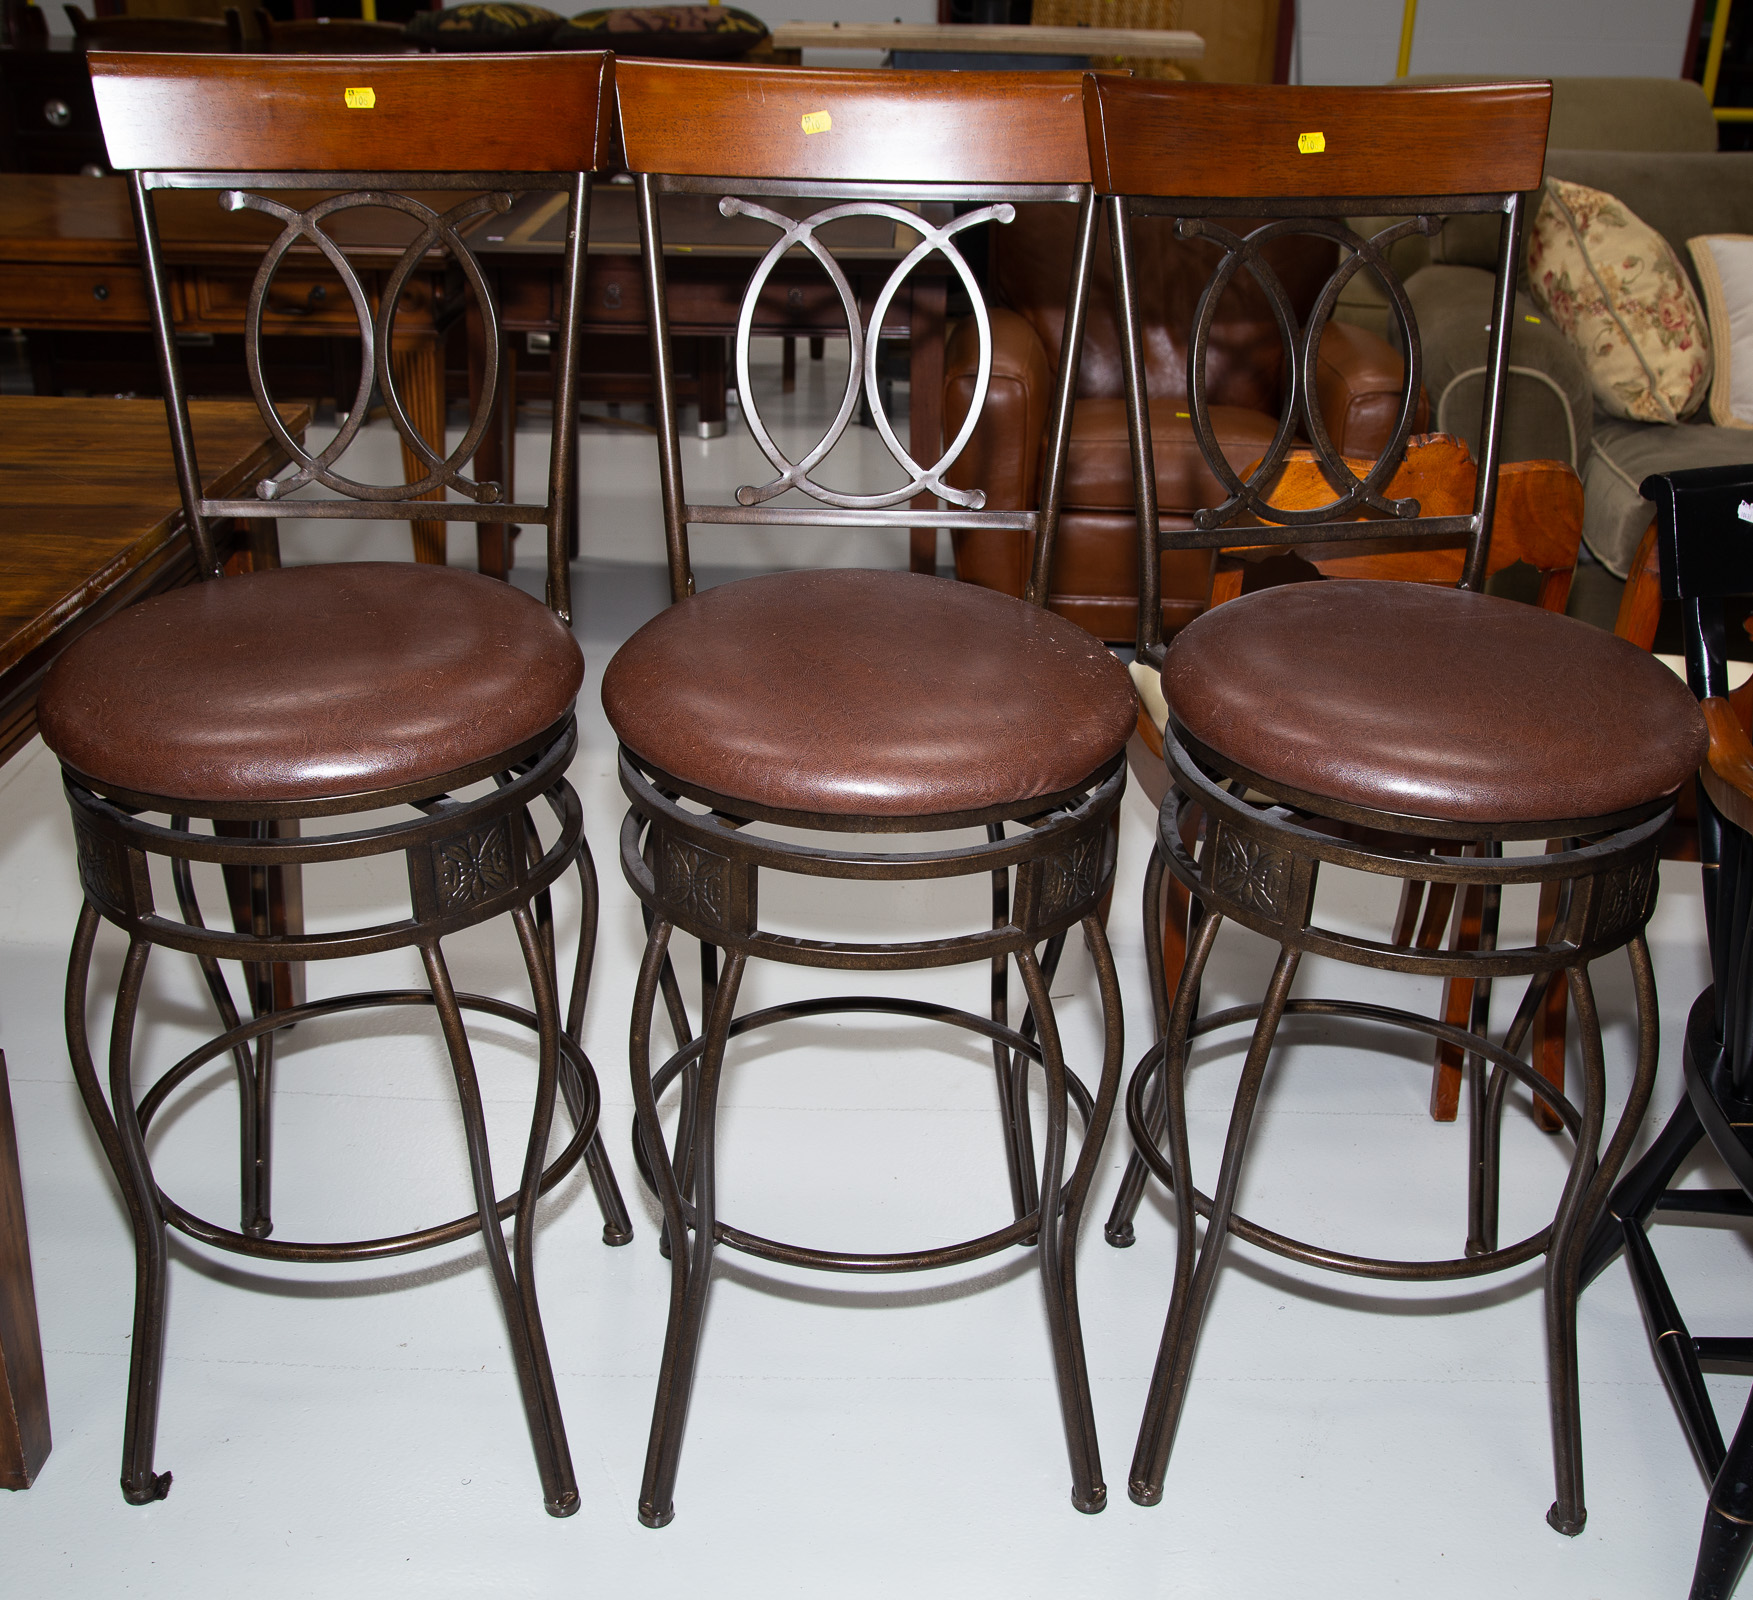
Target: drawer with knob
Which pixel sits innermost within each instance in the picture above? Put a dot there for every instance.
(74, 296)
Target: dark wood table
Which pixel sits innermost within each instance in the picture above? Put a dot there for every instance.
(90, 521)
(707, 262)
(69, 261)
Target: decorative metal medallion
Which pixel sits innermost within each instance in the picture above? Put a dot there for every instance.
(1069, 881)
(1250, 875)
(475, 867)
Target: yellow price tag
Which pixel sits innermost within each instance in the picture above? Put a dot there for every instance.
(817, 122)
(359, 99)
(1311, 144)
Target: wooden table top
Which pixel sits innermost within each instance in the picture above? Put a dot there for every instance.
(90, 517)
(58, 217)
(68, 217)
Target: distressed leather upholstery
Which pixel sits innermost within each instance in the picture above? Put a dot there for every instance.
(1356, 692)
(309, 683)
(1094, 580)
(860, 693)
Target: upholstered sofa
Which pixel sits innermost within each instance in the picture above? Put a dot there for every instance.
(1651, 142)
(1095, 571)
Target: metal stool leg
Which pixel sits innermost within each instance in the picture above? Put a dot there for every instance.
(1062, 1211)
(1168, 1388)
(140, 1484)
(690, 1262)
(1585, 1194)
(516, 1284)
(1117, 1230)
(617, 1225)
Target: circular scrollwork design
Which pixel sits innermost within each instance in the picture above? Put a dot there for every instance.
(376, 334)
(1353, 495)
(861, 371)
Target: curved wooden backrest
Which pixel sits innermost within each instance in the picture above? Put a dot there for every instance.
(424, 113)
(696, 120)
(1241, 141)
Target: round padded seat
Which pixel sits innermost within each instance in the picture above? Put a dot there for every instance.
(1432, 702)
(887, 694)
(309, 683)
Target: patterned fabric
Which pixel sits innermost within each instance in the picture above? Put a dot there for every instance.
(485, 25)
(695, 33)
(1615, 287)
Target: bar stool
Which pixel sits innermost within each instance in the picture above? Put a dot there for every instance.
(1703, 559)
(875, 704)
(1369, 725)
(260, 702)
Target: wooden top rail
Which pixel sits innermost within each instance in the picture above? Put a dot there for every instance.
(506, 112)
(1248, 141)
(878, 126)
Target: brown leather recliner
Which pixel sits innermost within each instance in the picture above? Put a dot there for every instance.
(1095, 566)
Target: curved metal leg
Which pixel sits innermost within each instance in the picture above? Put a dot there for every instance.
(253, 1216)
(1022, 1202)
(516, 1286)
(1174, 1364)
(1585, 1194)
(140, 1484)
(1062, 1212)
(1117, 1230)
(690, 1262)
(617, 1225)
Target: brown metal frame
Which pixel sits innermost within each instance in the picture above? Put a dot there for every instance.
(467, 859)
(695, 857)
(1262, 844)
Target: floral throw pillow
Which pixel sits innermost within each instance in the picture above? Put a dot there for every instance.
(1615, 287)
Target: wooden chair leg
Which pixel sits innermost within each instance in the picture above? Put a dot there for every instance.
(1445, 1085)
(418, 366)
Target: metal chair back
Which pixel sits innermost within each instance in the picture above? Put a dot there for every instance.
(345, 134)
(935, 154)
(1308, 159)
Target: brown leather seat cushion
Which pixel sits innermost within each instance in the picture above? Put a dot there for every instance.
(309, 683)
(868, 693)
(1098, 468)
(1432, 702)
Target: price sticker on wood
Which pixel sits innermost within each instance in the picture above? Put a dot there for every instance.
(359, 99)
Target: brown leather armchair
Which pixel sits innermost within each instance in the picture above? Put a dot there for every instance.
(1095, 567)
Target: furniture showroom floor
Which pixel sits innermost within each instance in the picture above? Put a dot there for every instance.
(358, 1432)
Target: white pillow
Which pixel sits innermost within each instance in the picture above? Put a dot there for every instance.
(1725, 270)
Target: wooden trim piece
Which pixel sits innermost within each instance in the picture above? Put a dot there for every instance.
(510, 112)
(1244, 141)
(696, 120)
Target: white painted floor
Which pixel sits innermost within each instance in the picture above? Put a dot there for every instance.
(358, 1432)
